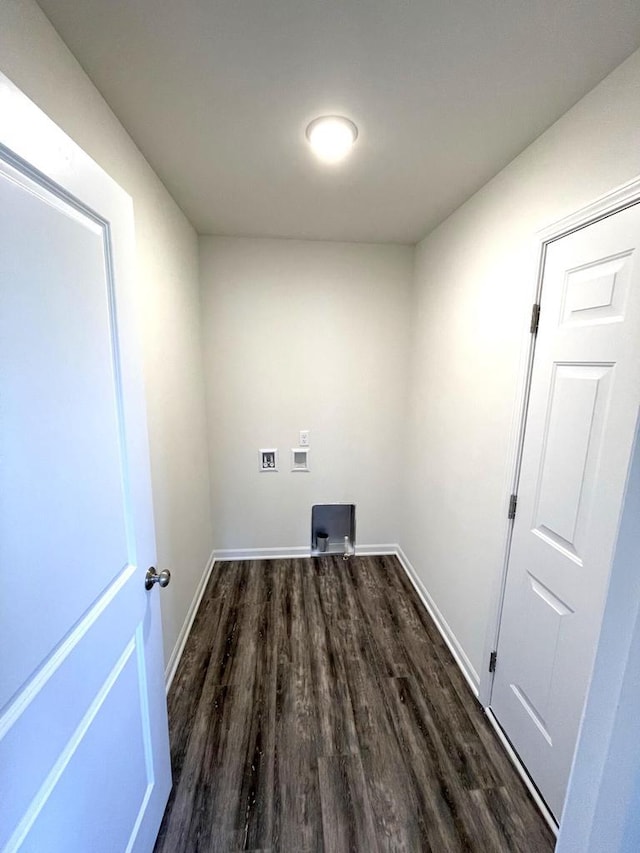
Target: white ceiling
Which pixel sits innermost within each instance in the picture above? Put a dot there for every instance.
(217, 94)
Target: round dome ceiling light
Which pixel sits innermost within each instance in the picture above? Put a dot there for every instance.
(331, 137)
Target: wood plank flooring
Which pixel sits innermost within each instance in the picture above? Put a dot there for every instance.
(317, 708)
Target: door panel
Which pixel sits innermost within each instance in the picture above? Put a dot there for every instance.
(570, 447)
(59, 390)
(597, 292)
(76, 782)
(84, 759)
(544, 619)
(59, 697)
(583, 408)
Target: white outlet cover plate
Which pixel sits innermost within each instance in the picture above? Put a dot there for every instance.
(304, 438)
(268, 459)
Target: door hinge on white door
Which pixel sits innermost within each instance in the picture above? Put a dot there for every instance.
(493, 657)
(535, 318)
(513, 503)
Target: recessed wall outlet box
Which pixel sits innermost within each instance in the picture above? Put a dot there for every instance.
(299, 459)
(304, 438)
(333, 529)
(268, 459)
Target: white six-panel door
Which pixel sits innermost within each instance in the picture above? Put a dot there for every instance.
(84, 762)
(583, 409)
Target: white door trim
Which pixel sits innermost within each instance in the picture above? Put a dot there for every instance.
(612, 202)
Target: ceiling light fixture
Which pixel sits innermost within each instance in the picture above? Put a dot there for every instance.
(331, 137)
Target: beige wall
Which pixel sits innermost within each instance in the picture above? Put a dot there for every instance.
(473, 291)
(36, 60)
(304, 335)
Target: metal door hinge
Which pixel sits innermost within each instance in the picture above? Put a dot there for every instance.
(535, 318)
(513, 503)
(493, 657)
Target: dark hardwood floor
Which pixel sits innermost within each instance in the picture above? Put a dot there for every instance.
(317, 708)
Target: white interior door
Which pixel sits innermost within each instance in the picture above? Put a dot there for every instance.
(84, 760)
(582, 415)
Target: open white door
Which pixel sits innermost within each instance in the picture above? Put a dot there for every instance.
(585, 396)
(84, 758)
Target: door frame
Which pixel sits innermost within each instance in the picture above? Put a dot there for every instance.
(622, 197)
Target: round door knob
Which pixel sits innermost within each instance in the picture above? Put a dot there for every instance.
(153, 577)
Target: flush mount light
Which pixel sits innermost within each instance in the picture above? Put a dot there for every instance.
(331, 137)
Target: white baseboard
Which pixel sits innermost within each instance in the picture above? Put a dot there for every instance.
(183, 636)
(291, 551)
(376, 550)
(262, 553)
(515, 760)
(466, 667)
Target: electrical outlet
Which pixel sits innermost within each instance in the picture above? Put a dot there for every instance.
(304, 438)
